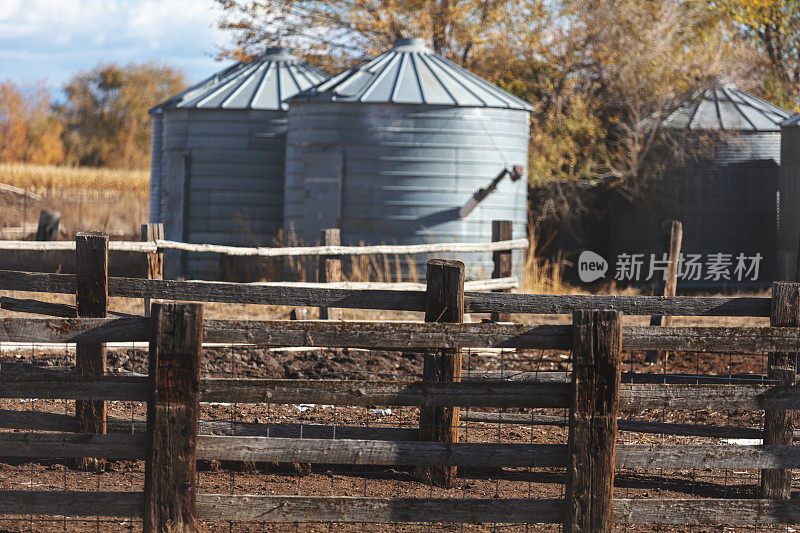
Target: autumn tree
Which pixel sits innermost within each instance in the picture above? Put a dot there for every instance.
(105, 113)
(13, 129)
(640, 60)
(44, 145)
(334, 33)
(773, 26)
(29, 130)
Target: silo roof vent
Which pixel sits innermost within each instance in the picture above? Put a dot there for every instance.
(410, 73)
(264, 83)
(726, 107)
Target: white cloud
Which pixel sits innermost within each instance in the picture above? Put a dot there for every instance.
(43, 39)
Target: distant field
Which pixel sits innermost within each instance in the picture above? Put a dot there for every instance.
(36, 177)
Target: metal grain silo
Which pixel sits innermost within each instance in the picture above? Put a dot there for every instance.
(222, 158)
(389, 150)
(789, 209)
(727, 198)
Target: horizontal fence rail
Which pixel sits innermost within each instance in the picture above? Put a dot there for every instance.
(71, 503)
(156, 246)
(282, 509)
(220, 507)
(403, 335)
(398, 300)
(389, 393)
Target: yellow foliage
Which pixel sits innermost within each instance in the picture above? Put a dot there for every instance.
(773, 28)
(13, 127)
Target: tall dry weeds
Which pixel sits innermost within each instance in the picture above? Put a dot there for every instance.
(39, 178)
(540, 275)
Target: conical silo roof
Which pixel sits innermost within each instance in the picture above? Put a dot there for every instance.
(726, 107)
(264, 83)
(410, 73)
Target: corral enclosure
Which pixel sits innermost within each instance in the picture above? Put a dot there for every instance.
(293, 435)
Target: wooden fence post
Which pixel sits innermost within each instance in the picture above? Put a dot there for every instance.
(330, 269)
(672, 233)
(48, 225)
(502, 230)
(444, 302)
(170, 485)
(776, 484)
(153, 263)
(91, 283)
(596, 372)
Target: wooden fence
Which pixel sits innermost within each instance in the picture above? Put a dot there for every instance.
(593, 393)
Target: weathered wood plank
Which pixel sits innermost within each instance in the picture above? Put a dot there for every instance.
(464, 394)
(75, 387)
(559, 376)
(11, 280)
(74, 330)
(410, 335)
(170, 483)
(399, 453)
(502, 230)
(222, 507)
(153, 262)
(597, 348)
(343, 392)
(781, 366)
(91, 301)
(387, 335)
(707, 456)
(211, 291)
(374, 452)
(444, 303)
(39, 445)
(40, 421)
(635, 426)
(403, 335)
(554, 304)
(711, 339)
(329, 269)
(25, 305)
(706, 511)
(71, 503)
(743, 397)
(475, 302)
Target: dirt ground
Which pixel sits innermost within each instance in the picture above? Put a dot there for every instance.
(299, 479)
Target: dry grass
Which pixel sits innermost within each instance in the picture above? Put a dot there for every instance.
(42, 178)
(543, 276)
(89, 199)
(381, 268)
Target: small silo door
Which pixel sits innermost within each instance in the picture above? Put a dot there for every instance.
(323, 193)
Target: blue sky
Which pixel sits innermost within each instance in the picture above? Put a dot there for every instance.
(49, 40)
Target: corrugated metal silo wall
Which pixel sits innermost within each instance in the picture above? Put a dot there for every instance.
(789, 214)
(397, 174)
(156, 154)
(223, 181)
(728, 206)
